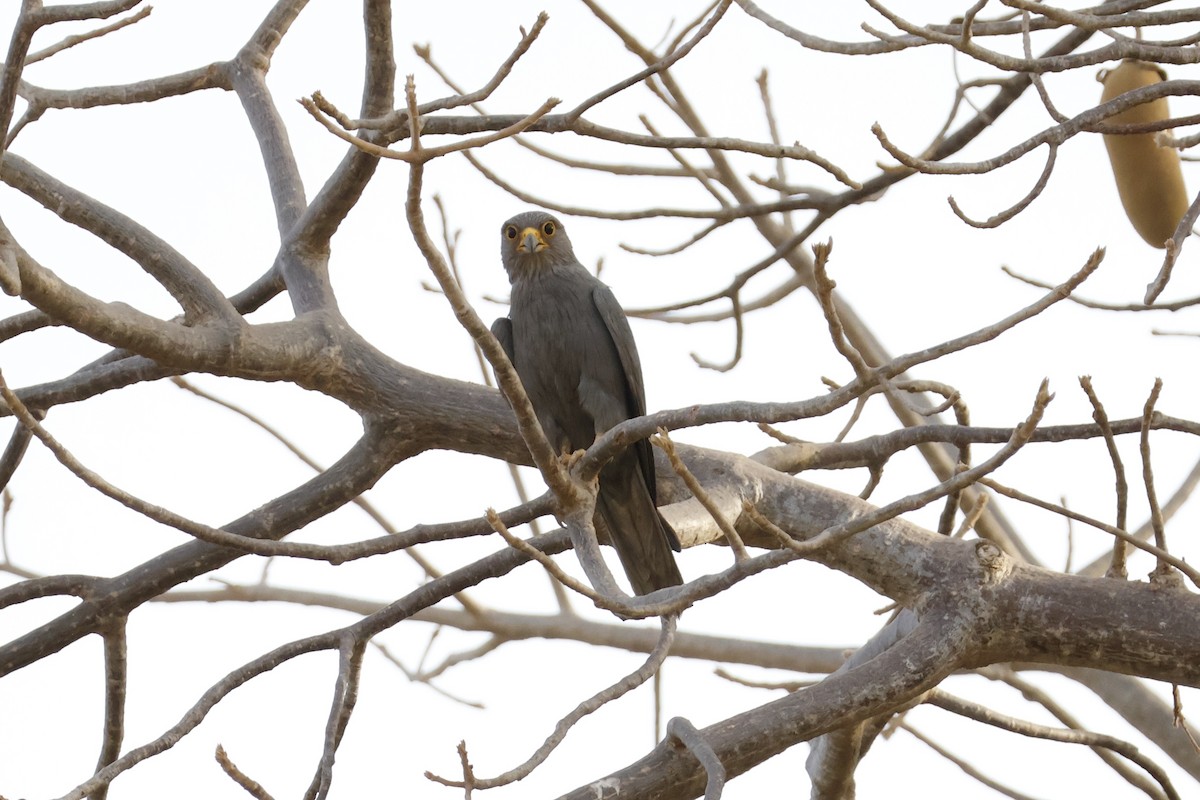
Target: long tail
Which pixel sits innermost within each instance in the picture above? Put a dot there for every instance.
(642, 539)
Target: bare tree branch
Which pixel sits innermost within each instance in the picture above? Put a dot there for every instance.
(593, 703)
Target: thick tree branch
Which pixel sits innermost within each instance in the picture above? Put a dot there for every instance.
(199, 297)
(912, 665)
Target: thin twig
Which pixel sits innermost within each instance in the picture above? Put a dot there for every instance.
(684, 732)
(496, 564)
(663, 441)
(1038, 83)
(1092, 120)
(1192, 573)
(1035, 694)
(972, 516)
(606, 601)
(30, 17)
(425, 154)
(1162, 571)
(71, 41)
(654, 69)
(95, 481)
(837, 533)
(692, 170)
(1175, 305)
(961, 763)
(823, 289)
(764, 93)
(426, 678)
(1144, 532)
(252, 787)
(739, 338)
(1004, 216)
(1117, 567)
(618, 689)
(345, 695)
(1174, 247)
(987, 716)
(116, 686)
(362, 502)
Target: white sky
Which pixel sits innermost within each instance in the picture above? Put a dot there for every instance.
(189, 169)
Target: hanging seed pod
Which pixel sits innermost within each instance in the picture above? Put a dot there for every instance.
(1149, 180)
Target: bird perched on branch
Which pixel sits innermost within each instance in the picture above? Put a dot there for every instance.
(572, 347)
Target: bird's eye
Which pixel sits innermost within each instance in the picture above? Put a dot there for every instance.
(511, 232)
(548, 228)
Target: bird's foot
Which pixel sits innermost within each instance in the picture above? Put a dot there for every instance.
(569, 460)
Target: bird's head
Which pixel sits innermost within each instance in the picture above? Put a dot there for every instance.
(534, 241)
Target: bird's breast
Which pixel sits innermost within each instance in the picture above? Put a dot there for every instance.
(562, 347)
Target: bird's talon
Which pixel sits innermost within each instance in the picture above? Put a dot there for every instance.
(569, 460)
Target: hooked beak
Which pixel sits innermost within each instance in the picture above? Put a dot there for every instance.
(531, 241)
